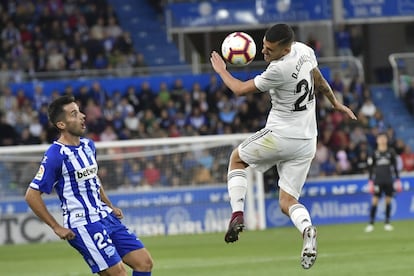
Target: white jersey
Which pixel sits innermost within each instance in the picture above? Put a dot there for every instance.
(289, 81)
(73, 172)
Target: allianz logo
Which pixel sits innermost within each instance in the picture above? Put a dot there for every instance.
(86, 173)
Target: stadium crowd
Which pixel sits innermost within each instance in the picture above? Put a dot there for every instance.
(55, 35)
(172, 111)
(67, 35)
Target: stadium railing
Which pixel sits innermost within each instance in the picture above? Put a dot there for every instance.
(403, 71)
(348, 66)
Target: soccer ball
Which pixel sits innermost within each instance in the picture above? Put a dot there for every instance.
(238, 48)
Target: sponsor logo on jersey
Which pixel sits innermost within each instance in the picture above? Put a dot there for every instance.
(86, 173)
(109, 251)
(40, 173)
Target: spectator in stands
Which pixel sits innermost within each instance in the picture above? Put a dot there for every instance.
(202, 102)
(409, 97)
(197, 119)
(146, 95)
(101, 62)
(7, 100)
(26, 138)
(343, 41)
(135, 175)
(40, 60)
(125, 44)
(113, 29)
(10, 34)
(315, 44)
(157, 131)
(358, 136)
(17, 74)
(177, 93)
(132, 122)
(94, 120)
(322, 153)
(357, 40)
(5, 76)
(407, 158)
(21, 98)
(343, 164)
(152, 174)
(186, 104)
(329, 167)
(202, 175)
(43, 117)
(55, 60)
(189, 162)
(359, 163)
(35, 127)
(357, 86)
(97, 31)
(164, 120)
(71, 60)
(227, 114)
(98, 94)
(109, 111)
(368, 108)
(108, 134)
(211, 89)
(8, 135)
(378, 121)
(164, 94)
(337, 83)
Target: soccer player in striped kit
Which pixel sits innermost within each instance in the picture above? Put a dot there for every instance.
(289, 138)
(91, 224)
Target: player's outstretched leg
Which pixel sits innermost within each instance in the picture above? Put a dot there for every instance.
(309, 250)
(236, 226)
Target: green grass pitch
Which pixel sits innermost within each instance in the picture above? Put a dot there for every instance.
(343, 250)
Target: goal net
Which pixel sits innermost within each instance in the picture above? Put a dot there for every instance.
(164, 186)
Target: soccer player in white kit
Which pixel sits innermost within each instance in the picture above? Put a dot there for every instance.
(288, 139)
(91, 224)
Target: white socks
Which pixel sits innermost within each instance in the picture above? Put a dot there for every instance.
(237, 187)
(300, 217)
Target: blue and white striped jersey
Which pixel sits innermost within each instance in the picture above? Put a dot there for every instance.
(73, 172)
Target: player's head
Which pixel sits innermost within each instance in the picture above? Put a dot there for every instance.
(382, 140)
(277, 42)
(64, 114)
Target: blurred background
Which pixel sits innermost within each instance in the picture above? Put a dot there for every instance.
(165, 124)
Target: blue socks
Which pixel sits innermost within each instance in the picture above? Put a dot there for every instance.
(138, 273)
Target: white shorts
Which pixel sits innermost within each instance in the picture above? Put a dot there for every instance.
(292, 158)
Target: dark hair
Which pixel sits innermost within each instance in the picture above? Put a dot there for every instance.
(55, 110)
(281, 33)
(382, 133)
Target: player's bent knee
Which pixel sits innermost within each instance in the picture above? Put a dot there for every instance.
(285, 202)
(145, 264)
(139, 260)
(116, 270)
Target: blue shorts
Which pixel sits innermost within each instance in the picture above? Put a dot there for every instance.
(103, 243)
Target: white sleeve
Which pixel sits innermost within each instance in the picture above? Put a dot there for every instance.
(271, 78)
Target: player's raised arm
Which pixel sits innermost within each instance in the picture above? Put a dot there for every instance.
(321, 85)
(237, 86)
